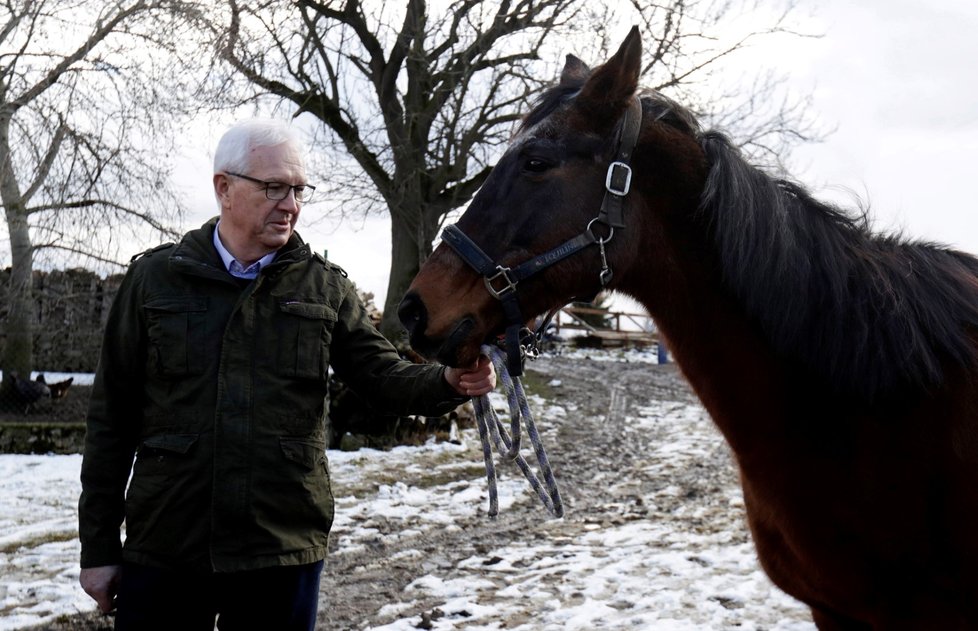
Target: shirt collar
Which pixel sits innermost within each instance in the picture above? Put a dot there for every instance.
(234, 266)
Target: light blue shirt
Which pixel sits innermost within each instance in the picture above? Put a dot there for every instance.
(234, 266)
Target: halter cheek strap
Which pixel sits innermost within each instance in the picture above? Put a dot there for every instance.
(501, 281)
(618, 181)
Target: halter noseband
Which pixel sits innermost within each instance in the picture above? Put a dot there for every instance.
(501, 281)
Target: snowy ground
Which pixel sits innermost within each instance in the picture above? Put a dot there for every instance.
(39, 539)
(80, 378)
(663, 546)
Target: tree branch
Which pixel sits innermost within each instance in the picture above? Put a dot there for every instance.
(44, 167)
(60, 246)
(102, 31)
(89, 203)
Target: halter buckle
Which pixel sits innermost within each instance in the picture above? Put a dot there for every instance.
(617, 171)
(510, 283)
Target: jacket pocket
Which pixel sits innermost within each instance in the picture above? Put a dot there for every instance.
(174, 443)
(176, 330)
(307, 453)
(305, 333)
(293, 496)
(165, 466)
(164, 454)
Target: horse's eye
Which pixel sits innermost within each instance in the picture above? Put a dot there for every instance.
(536, 165)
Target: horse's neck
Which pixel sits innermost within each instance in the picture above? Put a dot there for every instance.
(731, 368)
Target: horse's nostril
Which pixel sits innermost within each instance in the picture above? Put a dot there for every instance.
(412, 313)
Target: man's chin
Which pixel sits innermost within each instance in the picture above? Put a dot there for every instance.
(276, 235)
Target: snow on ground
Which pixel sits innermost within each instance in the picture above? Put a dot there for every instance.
(639, 573)
(39, 539)
(634, 573)
(633, 355)
(80, 378)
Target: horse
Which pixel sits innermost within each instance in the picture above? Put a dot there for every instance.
(838, 363)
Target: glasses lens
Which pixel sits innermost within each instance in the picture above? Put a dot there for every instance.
(276, 190)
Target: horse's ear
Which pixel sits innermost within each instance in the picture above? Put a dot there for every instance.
(613, 84)
(575, 72)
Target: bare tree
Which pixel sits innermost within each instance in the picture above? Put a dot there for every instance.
(87, 101)
(416, 101)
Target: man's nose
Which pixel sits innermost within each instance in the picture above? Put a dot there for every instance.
(289, 202)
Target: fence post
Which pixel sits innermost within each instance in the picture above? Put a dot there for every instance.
(662, 354)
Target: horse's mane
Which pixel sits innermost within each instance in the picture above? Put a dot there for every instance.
(655, 107)
(549, 101)
(866, 312)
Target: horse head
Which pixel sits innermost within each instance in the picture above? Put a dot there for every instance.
(535, 224)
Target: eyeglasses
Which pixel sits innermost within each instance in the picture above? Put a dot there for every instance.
(276, 191)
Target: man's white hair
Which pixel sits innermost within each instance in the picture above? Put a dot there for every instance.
(233, 152)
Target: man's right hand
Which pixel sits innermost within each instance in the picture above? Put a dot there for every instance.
(102, 584)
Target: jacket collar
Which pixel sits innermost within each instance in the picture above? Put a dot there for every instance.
(196, 254)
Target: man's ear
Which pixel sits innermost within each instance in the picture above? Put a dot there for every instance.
(221, 185)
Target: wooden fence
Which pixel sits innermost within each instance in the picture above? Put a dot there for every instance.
(622, 329)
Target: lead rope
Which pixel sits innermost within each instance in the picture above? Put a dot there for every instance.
(509, 445)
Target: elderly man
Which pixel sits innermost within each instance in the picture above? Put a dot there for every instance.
(213, 374)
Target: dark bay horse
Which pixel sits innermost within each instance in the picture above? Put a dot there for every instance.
(839, 365)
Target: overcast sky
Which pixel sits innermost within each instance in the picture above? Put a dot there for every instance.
(895, 79)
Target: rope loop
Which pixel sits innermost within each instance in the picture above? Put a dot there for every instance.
(493, 431)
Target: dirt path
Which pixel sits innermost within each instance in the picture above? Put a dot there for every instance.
(601, 467)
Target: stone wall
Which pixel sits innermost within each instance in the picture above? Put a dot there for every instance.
(71, 309)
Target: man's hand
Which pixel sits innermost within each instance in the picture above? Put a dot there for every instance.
(102, 584)
(473, 381)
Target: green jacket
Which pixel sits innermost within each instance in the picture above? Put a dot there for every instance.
(219, 388)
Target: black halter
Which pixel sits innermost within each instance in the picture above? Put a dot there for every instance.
(501, 281)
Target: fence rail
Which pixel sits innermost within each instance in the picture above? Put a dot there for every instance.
(623, 328)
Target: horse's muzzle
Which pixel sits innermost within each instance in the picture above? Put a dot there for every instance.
(414, 316)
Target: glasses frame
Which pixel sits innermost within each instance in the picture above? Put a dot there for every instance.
(301, 192)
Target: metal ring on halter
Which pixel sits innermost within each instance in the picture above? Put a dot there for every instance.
(590, 233)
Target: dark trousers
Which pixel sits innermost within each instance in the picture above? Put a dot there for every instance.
(277, 598)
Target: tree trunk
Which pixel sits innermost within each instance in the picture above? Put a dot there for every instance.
(406, 257)
(18, 350)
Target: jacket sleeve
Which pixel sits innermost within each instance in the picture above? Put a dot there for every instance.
(371, 366)
(112, 429)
